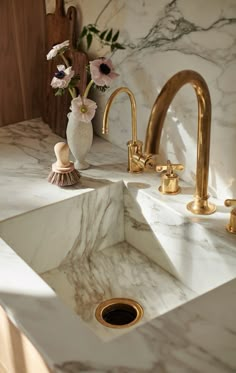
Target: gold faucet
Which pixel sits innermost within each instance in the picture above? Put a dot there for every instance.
(200, 204)
(231, 227)
(137, 161)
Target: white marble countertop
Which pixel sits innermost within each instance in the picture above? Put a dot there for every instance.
(199, 336)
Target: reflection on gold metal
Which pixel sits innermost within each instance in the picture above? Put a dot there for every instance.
(200, 204)
(231, 227)
(143, 160)
(169, 179)
(138, 163)
(119, 313)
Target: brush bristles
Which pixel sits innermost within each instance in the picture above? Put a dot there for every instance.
(64, 179)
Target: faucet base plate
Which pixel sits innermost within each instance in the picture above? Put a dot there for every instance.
(199, 208)
(171, 193)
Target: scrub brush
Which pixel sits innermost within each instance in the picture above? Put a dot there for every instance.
(63, 171)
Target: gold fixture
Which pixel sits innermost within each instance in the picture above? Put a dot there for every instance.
(137, 161)
(169, 179)
(119, 313)
(200, 204)
(231, 227)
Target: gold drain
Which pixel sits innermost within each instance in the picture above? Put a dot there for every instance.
(119, 313)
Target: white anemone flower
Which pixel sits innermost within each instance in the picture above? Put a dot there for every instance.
(83, 108)
(56, 49)
(102, 71)
(62, 77)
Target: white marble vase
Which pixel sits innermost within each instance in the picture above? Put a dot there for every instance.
(79, 137)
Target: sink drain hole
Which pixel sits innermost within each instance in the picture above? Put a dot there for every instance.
(119, 313)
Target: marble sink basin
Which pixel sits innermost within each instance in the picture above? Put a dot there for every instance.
(91, 248)
(119, 241)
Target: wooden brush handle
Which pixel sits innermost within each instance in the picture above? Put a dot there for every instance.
(62, 153)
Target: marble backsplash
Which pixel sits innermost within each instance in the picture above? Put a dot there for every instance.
(162, 38)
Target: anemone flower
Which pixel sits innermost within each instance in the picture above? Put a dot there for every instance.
(56, 49)
(62, 77)
(83, 108)
(102, 71)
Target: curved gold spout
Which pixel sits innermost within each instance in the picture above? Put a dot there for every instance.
(133, 111)
(136, 160)
(200, 205)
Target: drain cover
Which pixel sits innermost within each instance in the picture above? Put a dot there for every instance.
(119, 313)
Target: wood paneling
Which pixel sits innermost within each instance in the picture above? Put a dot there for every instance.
(22, 59)
(17, 354)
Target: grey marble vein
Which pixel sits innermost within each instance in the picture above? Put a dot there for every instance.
(172, 27)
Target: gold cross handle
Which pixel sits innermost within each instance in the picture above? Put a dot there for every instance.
(169, 179)
(230, 202)
(169, 167)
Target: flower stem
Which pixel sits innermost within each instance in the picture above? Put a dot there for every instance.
(86, 92)
(64, 59)
(103, 9)
(71, 90)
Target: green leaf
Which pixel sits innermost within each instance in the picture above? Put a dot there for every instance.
(89, 40)
(118, 46)
(60, 92)
(102, 35)
(74, 81)
(109, 35)
(94, 30)
(115, 37)
(84, 32)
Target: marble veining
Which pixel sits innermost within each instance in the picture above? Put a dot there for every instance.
(183, 343)
(29, 147)
(178, 243)
(74, 227)
(117, 271)
(173, 26)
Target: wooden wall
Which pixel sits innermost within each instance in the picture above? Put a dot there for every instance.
(22, 59)
(17, 354)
